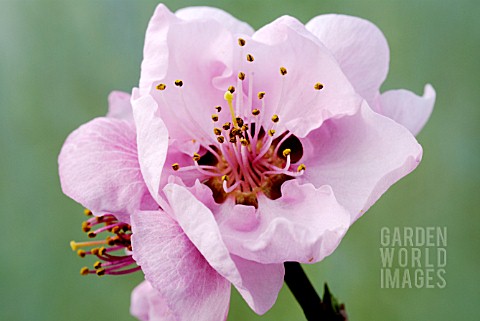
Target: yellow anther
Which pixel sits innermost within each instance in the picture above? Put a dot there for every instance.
(218, 108)
(231, 89)
(102, 250)
(226, 126)
(286, 152)
(86, 226)
(87, 212)
(255, 112)
(224, 178)
(178, 83)
(271, 132)
(250, 58)
(81, 253)
(215, 117)
(283, 71)
(244, 142)
(275, 118)
(97, 265)
(100, 272)
(244, 127)
(217, 131)
(84, 271)
(161, 86)
(229, 98)
(301, 167)
(241, 42)
(220, 139)
(261, 95)
(115, 229)
(91, 234)
(196, 157)
(175, 166)
(94, 251)
(318, 86)
(233, 140)
(241, 75)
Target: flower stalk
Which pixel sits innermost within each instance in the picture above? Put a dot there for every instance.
(314, 308)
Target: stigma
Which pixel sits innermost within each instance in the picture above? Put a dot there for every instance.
(111, 252)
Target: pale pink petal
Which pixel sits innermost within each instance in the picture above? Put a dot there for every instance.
(408, 109)
(99, 168)
(147, 304)
(259, 284)
(195, 52)
(305, 225)
(119, 106)
(152, 140)
(155, 51)
(360, 157)
(192, 289)
(286, 43)
(360, 48)
(226, 19)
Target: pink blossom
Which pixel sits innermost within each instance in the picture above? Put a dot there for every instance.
(245, 150)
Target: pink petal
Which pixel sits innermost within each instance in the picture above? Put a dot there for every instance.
(408, 109)
(360, 157)
(99, 168)
(147, 304)
(152, 140)
(259, 284)
(305, 225)
(286, 43)
(360, 48)
(195, 52)
(227, 20)
(192, 289)
(119, 106)
(155, 51)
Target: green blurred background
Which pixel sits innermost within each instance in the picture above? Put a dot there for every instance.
(60, 59)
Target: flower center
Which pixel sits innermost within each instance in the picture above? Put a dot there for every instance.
(248, 157)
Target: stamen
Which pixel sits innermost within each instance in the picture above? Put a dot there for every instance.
(178, 83)
(255, 112)
(286, 152)
(241, 42)
(221, 139)
(226, 126)
(161, 86)
(84, 271)
(275, 118)
(175, 166)
(301, 167)
(231, 89)
(241, 76)
(196, 157)
(215, 117)
(250, 58)
(75, 245)
(87, 212)
(318, 86)
(261, 95)
(217, 131)
(283, 71)
(271, 132)
(218, 108)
